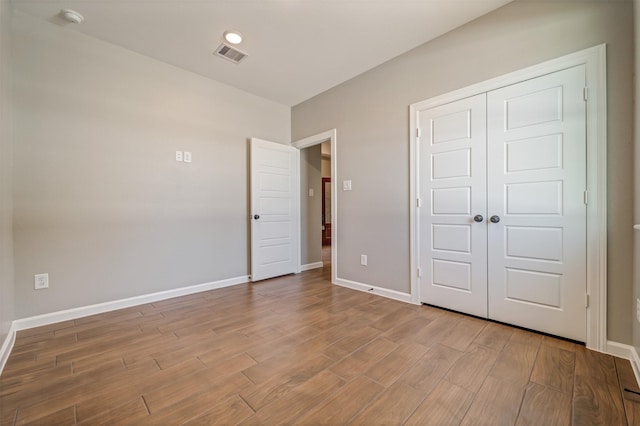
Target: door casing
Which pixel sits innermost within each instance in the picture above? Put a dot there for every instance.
(594, 59)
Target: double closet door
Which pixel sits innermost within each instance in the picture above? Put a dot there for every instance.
(502, 226)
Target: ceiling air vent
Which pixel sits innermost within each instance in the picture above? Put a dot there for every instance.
(230, 53)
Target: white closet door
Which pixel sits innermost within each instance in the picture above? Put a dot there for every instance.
(452, 190)
(536, 182)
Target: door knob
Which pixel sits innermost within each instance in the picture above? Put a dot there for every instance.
(478, 218)
(495, 219)
(256, 216)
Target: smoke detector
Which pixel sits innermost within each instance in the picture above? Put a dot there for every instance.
(72, 16)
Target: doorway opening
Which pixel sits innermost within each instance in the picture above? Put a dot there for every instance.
(318, 207)
(325, 160)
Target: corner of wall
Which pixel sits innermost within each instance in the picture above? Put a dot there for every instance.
(636, 131)
(7, 332)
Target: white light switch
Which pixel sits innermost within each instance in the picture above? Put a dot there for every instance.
(187, 157)
(310, 192)
(346, 185)
(41, 281)
(178, 155)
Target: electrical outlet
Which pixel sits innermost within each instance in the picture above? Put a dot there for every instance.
(41, 281)
(187, 157)
(363, 259)
(178, 155)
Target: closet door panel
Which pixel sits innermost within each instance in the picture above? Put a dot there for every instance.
(452, 187)
(536, 171)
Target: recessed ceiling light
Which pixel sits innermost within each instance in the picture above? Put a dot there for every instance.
(233, 37)
(72, 16)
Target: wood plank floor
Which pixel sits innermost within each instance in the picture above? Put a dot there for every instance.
(298, 350)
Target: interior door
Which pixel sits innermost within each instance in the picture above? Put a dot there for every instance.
(536, 188)
(452, 191)
(274, 209)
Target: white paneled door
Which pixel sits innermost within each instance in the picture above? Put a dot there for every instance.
(274, 209)
(536, 187)
(502, 225)
(452, 188)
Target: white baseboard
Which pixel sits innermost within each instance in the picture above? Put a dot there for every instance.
(619, 349)
(635, 363)
(309, 266)
(391, 294)
(627, 352)
(83, 311)
(7, 346)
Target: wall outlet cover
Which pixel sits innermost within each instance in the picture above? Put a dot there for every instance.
(179, 155)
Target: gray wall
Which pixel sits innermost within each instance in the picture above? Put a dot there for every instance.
(100, 203)
(370, 113)
(6, 206)
(311, 207)
(636, 286)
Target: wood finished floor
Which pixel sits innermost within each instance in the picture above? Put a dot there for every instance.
(298, 350)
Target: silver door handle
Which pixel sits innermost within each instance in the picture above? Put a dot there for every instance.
(494, 219)
(478, 218)
(256, 216)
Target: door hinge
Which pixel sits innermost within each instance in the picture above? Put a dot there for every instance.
(586, 197)
(585, 93)
(586, 300)
(417, 132)
(419, 273)
(418, 202)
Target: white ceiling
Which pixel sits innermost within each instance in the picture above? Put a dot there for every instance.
(297, 48)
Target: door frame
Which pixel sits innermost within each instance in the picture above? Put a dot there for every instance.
(594, 59)
(328, 136)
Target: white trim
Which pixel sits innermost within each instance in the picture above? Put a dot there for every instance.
(7, 346)
(635, 363)
(414, 227)
(313, 140)
(310, 266)
(378, 291)
(594, 60)
(328, 136)
(83, 311)
(619, 349)
(627, 352)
